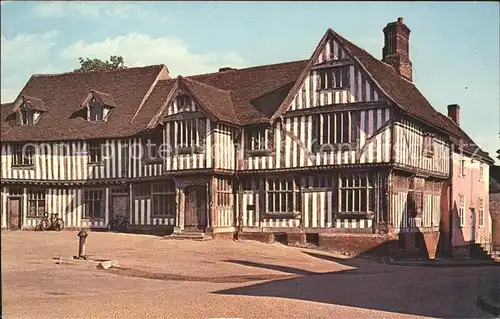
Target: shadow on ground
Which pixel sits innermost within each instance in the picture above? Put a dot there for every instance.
(414, 291)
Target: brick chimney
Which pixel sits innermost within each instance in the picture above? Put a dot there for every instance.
(396, 50)
(454, 113)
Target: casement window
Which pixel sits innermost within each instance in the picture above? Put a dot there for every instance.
(334, 78)
(356, 194)
(428, 147)
(164, 200)
(94, 152)
(152, 144)
(283, 196)
(481, 172)
(224, 187)
(334, 128)
(461, 210)
(26, 116)
(481, 212)
(94, 203)
(36, 203)
(462, 168)
(183, 102)
(185, 134)
(258, 138)
(23, 154)
(96, 113)
(141, 190)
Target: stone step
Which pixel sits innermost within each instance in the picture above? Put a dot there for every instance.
(198, 236)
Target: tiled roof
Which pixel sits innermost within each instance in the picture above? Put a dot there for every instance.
(63, 93)
(463, 142)
(258, 91)
(243, 97)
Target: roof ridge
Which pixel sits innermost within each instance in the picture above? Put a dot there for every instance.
(248, 68)
(205, 84)
(38, 75)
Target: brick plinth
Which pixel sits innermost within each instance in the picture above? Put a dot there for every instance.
(357, 244)
(267, 238)
(296, 239)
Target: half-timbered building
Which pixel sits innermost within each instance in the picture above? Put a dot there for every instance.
(339, 144)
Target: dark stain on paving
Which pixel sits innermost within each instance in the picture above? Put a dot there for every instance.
(173, 277)
(55, 293)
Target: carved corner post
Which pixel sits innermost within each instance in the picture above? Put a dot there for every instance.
(211, 191)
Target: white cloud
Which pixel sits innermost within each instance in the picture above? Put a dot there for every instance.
(140, 49)
(94, 10)
(21, 56)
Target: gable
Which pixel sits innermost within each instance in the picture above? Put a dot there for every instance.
(330, 59)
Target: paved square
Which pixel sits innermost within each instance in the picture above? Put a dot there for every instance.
(217, 279)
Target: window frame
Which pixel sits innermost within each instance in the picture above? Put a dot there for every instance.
(100, 117)
(274, 195)
(191, 133)
(334, 78)
(462, 167)
(258, 140)
(461, 211)
(364, 184)
(164, 196)
(481, 212)
(428, 145)
(333, 123)
(23, 155)
(26, 116)
(91, 197)
(38, 198)
(141, 190)
(156, 140)
(184, 102)
(94, 152)
(481, 172)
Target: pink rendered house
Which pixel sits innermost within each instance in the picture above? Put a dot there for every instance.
(469, 221)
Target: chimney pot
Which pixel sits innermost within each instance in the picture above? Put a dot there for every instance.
(454, 113)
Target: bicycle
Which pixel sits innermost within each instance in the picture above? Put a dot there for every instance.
(52, 223)
(119, 223)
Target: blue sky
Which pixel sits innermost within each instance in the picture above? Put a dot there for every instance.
(454, 46)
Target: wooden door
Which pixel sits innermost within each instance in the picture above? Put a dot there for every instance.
(15, 216)
(195, 207)
(119, 206)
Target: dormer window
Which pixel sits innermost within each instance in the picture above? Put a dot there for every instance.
(26, 117)
(28, 110)
(96, 113)
(98, 105)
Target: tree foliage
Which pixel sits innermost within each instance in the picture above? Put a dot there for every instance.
(114, 62)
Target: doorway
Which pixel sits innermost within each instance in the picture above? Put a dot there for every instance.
(195, 207)
(15, 215)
